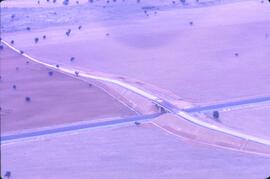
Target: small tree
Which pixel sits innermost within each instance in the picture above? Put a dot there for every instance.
(1, 47)
(72, 59)
(28, 28)
(36, 40)
(12, 42)
(27, 99)
(8, 174)
(14, 87)
(68, 32)
(50, 73)
(13, 16)
(44, 36)
(183, 1)
(66, 2)
(216, 115)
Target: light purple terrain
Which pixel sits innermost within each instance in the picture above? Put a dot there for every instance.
(222, 56)
(143, 152)
(204, 52)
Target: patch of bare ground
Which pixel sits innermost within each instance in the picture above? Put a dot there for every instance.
(193, 132)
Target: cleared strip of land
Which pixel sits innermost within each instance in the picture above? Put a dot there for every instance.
(76, 127)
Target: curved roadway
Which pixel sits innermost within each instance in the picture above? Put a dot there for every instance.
(169, 107)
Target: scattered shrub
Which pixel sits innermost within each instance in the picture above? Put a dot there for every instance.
(183, 1)
(68, 32)
(27, 99)
(66, 2)
(50, 73)
(8, 174)
(215, 114)
(72, 59)
(36, 40)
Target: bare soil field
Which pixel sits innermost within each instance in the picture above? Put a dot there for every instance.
(145, 151)
(33, 96)
(204, 55)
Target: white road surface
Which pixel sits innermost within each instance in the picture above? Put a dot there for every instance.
(162, 103)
